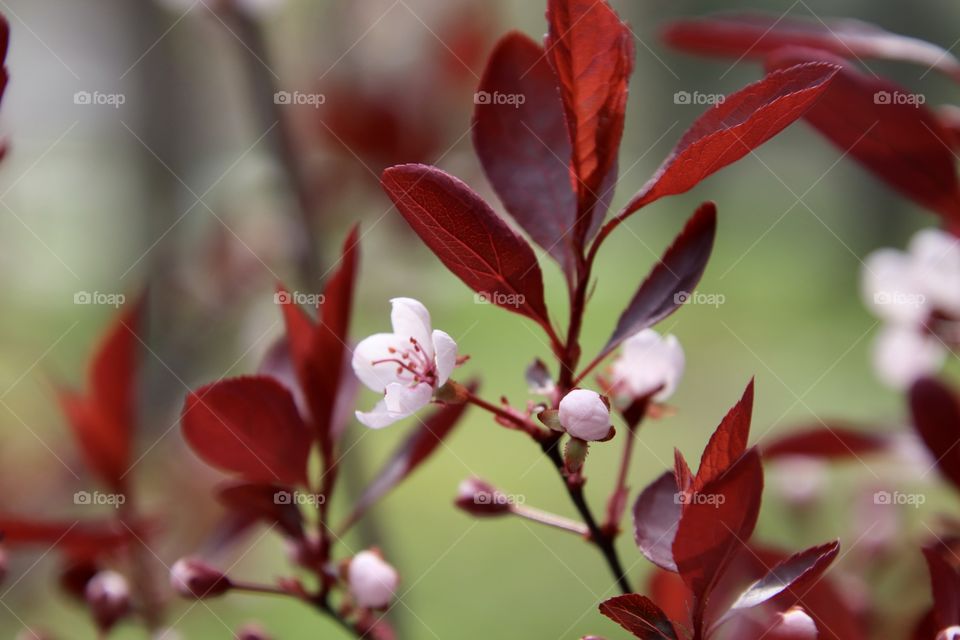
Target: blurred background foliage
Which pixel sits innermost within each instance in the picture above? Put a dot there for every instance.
(95, 198)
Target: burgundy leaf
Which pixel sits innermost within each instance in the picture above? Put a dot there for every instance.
(468, 237)
(104, 419)
(757, 35)
(249, 426)
(945, 584)
(638, 615)
(78, 539)
(936, 417)
(715, 524)
(523, 144)
(269, 503)
(682, 471)
(672, 279)
(733, 128)
(902, 144)
(656, 515)
(795, 576)
(591, 52)
(836, 441)
(728, 442)
(411, 453)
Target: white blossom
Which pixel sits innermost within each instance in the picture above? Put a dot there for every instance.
(585, 415)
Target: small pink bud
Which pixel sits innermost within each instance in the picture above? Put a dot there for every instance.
(585, 415)
(193, 578)
(480, 498)
(794, 624)
(372, 581)
(950, 633)
(108, 597)
(252, 632)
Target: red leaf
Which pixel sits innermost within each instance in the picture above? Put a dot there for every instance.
(265, 502)
(757, 35)
(936, 417)
(656, 515)
(78, 539)
(735, 127)
(469, 238)
(682, 471)
(715, 524)
(794, 576)
(836, 441)
(249, 426)
(945, 585)
(903, 144)
(676, 274)
(104, 419)
(638, 615)
(728, 442)
(524, 148)
(591, 52)
(411, 453)
(315, 348)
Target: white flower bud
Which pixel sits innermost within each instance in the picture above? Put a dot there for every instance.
(108, 597)
(193, 578)
(585, 415)
(649, 364)
(950, 633)
(371, 580)
(795, 623)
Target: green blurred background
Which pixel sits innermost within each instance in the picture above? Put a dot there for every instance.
(103, 199)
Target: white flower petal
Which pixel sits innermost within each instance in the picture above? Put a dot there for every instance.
(372, 581)
(903, 354)
(891, 287)
(936, 261)
(411, 320)
(446, 355)
(584, 415)
(378, 417)
(405, 400)
(649, 362)
(374, 349)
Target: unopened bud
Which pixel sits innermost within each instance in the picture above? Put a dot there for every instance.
(193, 578)
(371, 580)
(794, 624)
(480, 498)
(252, 632)
(585, 414)
(575, 454)
(108, 597)
(950, 633)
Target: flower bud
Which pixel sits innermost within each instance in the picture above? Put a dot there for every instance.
(480, 498)
(193, 578)
(650, 365)
(252, 632)
(372, 581)
(794, 624)
(585, 414)
(950, 633)
(108, 597)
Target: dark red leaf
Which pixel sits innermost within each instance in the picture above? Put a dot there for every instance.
(265, 502)
(638, 615)
(945, 585)
(936, 417)
(735, 127)
(249, 426)
(757, 35)
(591, 52)
(78, 539)
(728, 442)
(794, 576)
(104, 418)
(902, 144)
(469, 238)
(674, 277)
(411, 453)
(656, 515)
(682, 471)
(836, 441)
(715, 524)
(524, 147)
